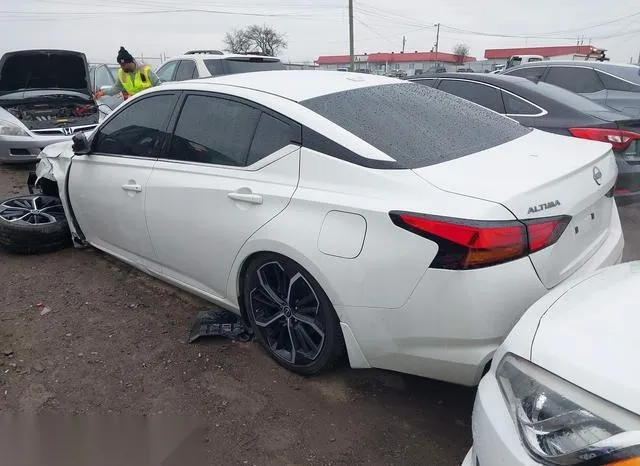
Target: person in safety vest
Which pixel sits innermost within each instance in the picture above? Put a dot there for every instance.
(132, 77)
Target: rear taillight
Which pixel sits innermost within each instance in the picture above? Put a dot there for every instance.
(620, 140)
(471, 244)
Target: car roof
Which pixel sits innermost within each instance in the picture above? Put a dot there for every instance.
(217, 56)
(603, 65)
(295, 85)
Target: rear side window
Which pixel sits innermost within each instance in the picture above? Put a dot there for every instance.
(271, 135)
(530, 72)
(415, 125)
(480, 94)
(516, 106)
(214, 130)
(574, 79)
(250, 64)
(186, 70)
(215, 67)
(425, 82)
(615, 84)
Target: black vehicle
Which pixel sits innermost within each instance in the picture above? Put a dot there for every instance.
(550, 108)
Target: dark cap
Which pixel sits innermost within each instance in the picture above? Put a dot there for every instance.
(124, 56)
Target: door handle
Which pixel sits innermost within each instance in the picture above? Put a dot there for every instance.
(132, 187)
(246, 197)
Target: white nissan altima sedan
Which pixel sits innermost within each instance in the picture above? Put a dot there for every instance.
(343, 212)
(564, 388)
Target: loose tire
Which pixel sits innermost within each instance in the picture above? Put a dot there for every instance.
(291, 315)
(33, 224)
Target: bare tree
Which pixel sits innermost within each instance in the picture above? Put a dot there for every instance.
(461, 51)
(237, 41)
(257, 39)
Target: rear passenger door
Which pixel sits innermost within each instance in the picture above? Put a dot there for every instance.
(581, 80)
(479, 93)
(230, 167)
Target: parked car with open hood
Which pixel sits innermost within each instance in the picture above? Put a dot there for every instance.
(45, 97)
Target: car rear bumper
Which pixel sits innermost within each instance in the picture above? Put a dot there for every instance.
(24, 149)
(453, 322)
(628, 182)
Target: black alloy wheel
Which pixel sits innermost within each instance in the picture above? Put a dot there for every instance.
(291, 315)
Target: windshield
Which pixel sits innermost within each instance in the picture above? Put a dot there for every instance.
(414, 124)
(246, 65)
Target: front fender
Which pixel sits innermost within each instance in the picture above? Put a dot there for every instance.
(55, 165)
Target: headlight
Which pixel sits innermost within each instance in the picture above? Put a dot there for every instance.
(562, 424)
(10, 129)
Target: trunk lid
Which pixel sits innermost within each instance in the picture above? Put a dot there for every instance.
(44, 69)
(542, 175)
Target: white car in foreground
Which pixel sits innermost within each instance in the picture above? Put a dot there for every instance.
(338, 210)
(564, 388)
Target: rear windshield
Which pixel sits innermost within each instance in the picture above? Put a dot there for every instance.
(245, 65)
(629, 73)
(414, 124)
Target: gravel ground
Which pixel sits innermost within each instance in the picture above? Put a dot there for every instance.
(81, 332)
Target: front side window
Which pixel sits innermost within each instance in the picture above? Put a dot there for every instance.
(138, 129)
(165, 73)
(532, 72)
(480, 94)
(103, 77)
(574, 79)
(214, 130)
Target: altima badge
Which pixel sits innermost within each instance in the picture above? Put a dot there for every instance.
(547, 205)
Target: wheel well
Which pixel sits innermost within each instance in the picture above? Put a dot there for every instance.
(241, 277)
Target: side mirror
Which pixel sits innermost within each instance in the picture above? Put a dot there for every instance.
(80, 144)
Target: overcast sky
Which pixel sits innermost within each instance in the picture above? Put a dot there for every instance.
(318, 27)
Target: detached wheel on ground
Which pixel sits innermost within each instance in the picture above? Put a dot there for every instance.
(291, 315)
(33, 224)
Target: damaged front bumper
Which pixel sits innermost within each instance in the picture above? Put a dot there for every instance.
(50, 178)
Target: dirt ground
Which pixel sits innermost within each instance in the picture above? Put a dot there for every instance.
(81, 332)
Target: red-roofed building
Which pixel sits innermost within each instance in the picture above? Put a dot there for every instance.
(386, 62)
(567, 52)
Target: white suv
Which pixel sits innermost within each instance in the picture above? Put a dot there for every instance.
(208, 63)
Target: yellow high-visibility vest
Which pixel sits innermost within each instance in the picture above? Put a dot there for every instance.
(136, 85)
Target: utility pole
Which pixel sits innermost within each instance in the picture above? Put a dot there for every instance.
(351, 59)
(437, 41)
(404, 41)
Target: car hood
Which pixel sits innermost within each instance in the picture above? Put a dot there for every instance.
(44, 69)
(591, 339)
